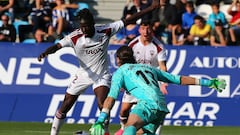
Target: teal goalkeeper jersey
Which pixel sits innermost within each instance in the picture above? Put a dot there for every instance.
(141, 81)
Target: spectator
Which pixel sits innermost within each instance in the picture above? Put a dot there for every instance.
(41, 36)
(163, 19)
(188, 16)
(216, 15)
(41, 15)
(180, 5)
(219, 35)
(199, 32)
(132, 5)
(235, 21)
(234, 13)
(7, 6)
(179, 35)
(129, 32)
(61, 19)
(7, 31)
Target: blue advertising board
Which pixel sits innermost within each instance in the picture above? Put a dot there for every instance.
(32, 91)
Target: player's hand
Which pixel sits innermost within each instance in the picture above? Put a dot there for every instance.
(218, 84)
(41, 56)
(97, 129)
(163, 88)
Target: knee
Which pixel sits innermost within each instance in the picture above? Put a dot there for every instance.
(60, 115)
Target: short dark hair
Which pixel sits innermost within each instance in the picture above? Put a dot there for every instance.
(85, 14)
(125, 55)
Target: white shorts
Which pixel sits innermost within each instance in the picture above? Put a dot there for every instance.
(127, 98)
(82, 81)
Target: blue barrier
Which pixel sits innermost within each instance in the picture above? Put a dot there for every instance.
(32, 90)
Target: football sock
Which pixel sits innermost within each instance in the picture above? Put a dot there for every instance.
(129, 130)
(158, 131)
(122, 121)
(57, 122)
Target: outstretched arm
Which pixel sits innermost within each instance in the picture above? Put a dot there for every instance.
(215, 83)
(50, 50)
(136, 16)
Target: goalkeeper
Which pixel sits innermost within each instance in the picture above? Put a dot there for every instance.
(141, 81)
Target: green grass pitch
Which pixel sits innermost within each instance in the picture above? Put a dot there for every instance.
(34, 128)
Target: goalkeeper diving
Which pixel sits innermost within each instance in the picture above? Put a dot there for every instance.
(141, 81)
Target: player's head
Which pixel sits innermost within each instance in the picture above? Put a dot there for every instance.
(87, 22)
(145, 30)
(125, 55)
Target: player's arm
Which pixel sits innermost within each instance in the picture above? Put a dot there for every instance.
(49, 50)
(215, 83)
(136, 16)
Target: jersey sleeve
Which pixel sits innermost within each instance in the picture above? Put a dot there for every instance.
(66, 42)
(162, 55)
(116, 84)
(116, 27)
(167, 77)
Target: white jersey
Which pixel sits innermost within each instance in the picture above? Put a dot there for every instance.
(92, 52)
(150, 54)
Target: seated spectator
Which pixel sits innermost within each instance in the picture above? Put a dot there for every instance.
(235, 21)
(179, 35)
(125, 35)
(188, 16)
(235, 34)
(7, 31)
(6, 6)
(219, 35)
(199, 32)
(61, 18)
(180, 5)
(131, 5)
(216, 15)
(163, 19)
(234, 13)
(41, 36)
(41, 15)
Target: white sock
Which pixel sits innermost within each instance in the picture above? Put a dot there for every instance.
(158, 131)
(121, 121)
(56, 125)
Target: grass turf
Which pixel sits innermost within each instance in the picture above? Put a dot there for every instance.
(32, 128)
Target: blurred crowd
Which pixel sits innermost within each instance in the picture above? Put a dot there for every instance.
(182, 22)
(36, 21)
(176, 22)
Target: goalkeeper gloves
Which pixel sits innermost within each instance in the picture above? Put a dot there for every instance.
(218, 84)
(97, 129)
(215, 83)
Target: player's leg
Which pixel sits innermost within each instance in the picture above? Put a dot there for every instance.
(77, 86)
(127, 102)
(101, 89)
(60, 116)
(133, 124)
(101, 94)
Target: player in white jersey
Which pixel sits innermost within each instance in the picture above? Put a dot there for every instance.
(147, 50)
(90, 43)
(141, 81)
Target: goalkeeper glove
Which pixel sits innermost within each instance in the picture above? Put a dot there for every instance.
(218, 84)
(97, 129)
